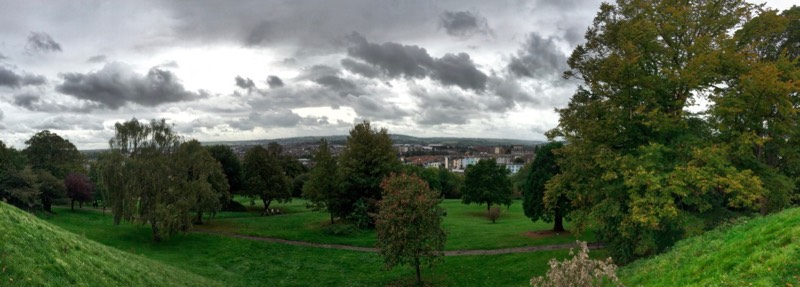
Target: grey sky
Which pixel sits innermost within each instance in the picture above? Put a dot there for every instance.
(253, 69)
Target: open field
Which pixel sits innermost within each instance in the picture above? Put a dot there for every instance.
(241, 262)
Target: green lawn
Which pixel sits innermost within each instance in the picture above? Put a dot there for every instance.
(763, 251)
(466, 225)
(239, 262)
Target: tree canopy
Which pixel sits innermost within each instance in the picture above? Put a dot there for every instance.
(264, 177)
(322, 188)
(487, 183)
(537, 206)
(368, 158)
(409, 223)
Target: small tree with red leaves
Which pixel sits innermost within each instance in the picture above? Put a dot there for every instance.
(409, 223)
(79, 188)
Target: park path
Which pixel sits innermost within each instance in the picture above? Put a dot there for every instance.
(525, 249)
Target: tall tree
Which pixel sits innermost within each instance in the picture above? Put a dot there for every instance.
(637, 163)
(486, 183)
(264, 178)
(12, 162)
(368, 157)
(201, 179)
(49, 151)
(535, 204)
(52, 158)
(79, 188)
(409, 223)
(322, 187)
(21, 188)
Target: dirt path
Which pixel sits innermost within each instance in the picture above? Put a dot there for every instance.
(371, 249)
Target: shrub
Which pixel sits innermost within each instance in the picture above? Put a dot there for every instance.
(494, 213)
(578, 271)
(339, 229)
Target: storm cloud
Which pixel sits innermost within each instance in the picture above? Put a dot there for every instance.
(463, 24)
(11, 79)
(245, 83)
(539, 57)
(117, 85)
(42, 42)
(274, 82)
(411, 61)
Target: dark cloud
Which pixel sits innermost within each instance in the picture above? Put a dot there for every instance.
(26, 100)
(344, 87)
(117, 84)
(360, 68)
(245, 83)
(97, 59)
(538, 58)
(463, 24)
(459, 70)
(373, 108)
(318, 71)
(261, 34)
(412, 61)
(274, 82)
(3, 57)
(267, 119)
(42, 42)
(1, 115)
(11, 79)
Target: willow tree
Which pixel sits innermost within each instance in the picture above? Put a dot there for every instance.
(152, 178)
(638, 164)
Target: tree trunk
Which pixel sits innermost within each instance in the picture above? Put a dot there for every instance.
(199, 219)
(80, 204)
(331, 217)
(559, 221)
(73, 205)
(156, 236)
(488, 206)
(419, 275)
(47, 205)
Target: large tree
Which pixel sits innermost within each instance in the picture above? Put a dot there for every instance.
(12, 162)
(322, 188)
(487, 183)
(638, 163)
(52, 158)
(264, 177)
(368, 157)
(543, 168)
(409, 223)
(154, 178)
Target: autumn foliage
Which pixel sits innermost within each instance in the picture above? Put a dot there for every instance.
(79, 188)
(409, 223)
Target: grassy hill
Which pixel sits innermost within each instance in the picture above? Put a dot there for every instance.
(36, 253)
(761, 251)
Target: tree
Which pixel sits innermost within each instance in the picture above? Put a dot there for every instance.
(231, 166)
(79, 188)
(538, 204)
(52, 158)
(49, 151)
(638, 163)
(486, 183)
(264, 178)
(202, 179)
(408, 224)
(322, 187)
(21, 188)
(367, 158)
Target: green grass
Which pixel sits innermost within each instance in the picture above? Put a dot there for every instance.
(467, 226)
(239, 262)
(36, 253)
(755, 252)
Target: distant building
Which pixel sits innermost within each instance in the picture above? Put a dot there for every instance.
(514, 168)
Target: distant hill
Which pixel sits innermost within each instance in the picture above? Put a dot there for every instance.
(763, 251)
(397, 138)
(36, 253)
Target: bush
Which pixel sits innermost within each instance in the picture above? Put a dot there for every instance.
(578, 271)
(494, 213)
(234, 206)
(339, 229)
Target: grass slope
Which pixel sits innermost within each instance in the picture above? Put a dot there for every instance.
(756, 252)
(36, 253)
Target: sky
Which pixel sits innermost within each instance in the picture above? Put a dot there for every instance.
(254, 69)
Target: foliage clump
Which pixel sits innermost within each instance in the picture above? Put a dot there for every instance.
(578, 271)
